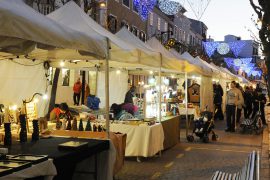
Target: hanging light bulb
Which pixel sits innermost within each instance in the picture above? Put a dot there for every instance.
(118, 72)
(62, 63)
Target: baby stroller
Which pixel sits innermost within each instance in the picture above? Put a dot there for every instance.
(203, 126)
(254, 124)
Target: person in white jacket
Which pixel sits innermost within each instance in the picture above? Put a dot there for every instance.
(234, 98)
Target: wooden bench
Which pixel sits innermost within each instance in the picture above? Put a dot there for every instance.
(250, 171)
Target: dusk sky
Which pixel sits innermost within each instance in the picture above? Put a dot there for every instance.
(224, 17)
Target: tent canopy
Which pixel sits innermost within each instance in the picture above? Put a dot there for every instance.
(23, 30)
(79, 21)
(170, 61)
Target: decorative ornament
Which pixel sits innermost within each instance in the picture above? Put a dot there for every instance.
(81, 125)
(35, 134)
(254, 73)
(88, 126)
(236, 47)
(237, 62)
(223, 48)
(170, 7)
(144, 7)
(23, 132)
(8, 136)
(74, 125)
(210, 47)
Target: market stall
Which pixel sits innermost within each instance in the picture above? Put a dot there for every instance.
(30, 40)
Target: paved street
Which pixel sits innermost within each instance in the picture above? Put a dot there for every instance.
(194, 160)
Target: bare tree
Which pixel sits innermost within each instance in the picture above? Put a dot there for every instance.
(263, 12)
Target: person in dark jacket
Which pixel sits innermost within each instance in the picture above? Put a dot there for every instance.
(259, 99)
(129, 95)
(218, 93)
(248, 99)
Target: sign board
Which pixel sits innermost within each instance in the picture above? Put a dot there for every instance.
(31, 111)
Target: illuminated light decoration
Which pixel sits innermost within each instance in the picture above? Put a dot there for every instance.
(229, 62)
(223, 48)
(171, 42)
(237, 62)
(246, 60)
(144, 7)
(170, 7)
(236, 47)
(210, 47)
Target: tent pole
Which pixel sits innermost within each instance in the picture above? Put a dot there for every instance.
(186, 105)
(159, 76)
(107, 90)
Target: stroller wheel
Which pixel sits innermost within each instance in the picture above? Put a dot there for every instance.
(214, 137)
(190, 138)
(205, 139)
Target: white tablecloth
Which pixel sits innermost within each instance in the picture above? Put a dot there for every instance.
(45, 168)
(142, 140)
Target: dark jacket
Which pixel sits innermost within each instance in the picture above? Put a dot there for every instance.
(129, 97)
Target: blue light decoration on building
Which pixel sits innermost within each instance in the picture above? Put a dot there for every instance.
(169, 7)
(243, 63)
(210, 47)
(236, 47)
(144, 7)
(224, 48)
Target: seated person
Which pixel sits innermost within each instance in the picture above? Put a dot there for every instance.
(56, 112)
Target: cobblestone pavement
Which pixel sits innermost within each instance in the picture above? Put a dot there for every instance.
(195, 160)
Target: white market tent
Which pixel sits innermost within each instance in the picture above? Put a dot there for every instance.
(22, 28)
(120, 51)
(25, 31)
(170, 61)
(206, 89)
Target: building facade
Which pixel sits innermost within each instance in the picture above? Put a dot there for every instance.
(123, 13)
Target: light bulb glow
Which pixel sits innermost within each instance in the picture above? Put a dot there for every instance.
(45, 96)
(118, 72)
(62, 63)
(36, 100)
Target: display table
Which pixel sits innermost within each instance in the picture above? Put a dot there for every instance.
(171, 130)
(65, 161)
(45, 169)
(142, 140)
(118, 141)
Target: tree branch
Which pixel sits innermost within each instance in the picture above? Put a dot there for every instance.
(257, 9)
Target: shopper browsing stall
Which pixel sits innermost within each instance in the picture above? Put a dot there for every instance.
(130, 94)
(77, 92)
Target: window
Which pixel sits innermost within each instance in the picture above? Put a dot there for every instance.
(151, 18)
(112, 23)
(126, 3)
(134, 7)
(158, 24)
(165, 26)
(142, 36)
(134, 30)
(65, 77)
